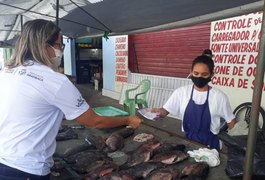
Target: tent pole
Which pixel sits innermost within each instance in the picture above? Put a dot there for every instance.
(57, 12)
(21, 21)
(256, 100)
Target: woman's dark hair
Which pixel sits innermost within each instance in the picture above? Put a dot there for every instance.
(205, 60)
(207, 52)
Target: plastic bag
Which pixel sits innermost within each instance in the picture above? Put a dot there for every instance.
(210, 156)
(236, 146)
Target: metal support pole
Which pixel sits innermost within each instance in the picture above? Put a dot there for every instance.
(256, 99)
(57, 12)
(21, 21)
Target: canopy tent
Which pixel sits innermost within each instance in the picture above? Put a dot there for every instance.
(79, 18)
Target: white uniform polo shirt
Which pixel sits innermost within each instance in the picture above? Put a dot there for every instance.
(219, 105)
(33, 100)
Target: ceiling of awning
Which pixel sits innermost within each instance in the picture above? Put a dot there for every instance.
(79, 18)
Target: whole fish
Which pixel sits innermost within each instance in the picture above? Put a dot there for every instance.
(143, 137)
(118, 176)
(58, 164)
(195, 170)
(96, 141)
(143, 169)
(125, 132)
(63, 128)
(114, 142)
(164, 174)
(142, 154)
(170, 157)
(101, 170)
(85, 165)
(74, 150)
(86, 156)
(66, 135)
(167, 147)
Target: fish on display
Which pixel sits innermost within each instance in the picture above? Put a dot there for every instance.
(142, 154)
(198, 170)
(73, 150)
(143, 137)
(171, 157)
(84, 160)
(114, 142)
(86, 156)
(63, 128)
(167, 147)
(164, 174)
(143, 169)
(118, 176)
(90, 166)
(101, 169)
(66, 135)
(125, 132)
(58, 164)
(96, 141)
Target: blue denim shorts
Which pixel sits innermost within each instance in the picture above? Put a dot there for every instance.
(9, 173)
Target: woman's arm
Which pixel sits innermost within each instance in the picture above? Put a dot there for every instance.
(91, 119)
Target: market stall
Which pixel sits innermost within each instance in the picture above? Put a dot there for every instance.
(121, 156)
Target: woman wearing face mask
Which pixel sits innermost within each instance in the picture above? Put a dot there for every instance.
(200, 106)
(34, 99)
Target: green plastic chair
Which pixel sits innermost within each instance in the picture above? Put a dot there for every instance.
(139, 98)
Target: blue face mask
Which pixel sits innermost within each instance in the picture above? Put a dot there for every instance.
(200, 81)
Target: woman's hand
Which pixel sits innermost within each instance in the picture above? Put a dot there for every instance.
(134, 121)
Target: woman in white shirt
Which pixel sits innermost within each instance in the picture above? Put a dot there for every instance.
(34, 100)
(200, 106)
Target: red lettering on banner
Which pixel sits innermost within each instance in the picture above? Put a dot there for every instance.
(222, 69)
(258, 21)
(231, 36)
(238, 70)
(120, 66)
(251, 71)
(121, 79)
(120, 39)
(242, 83)
(120, 59)
(235, 47)
(121, 72)
(233, 24)
(121, 53)
(252, 59)
(230, 59)
(253, 82)
(120, 46)
(223, 81)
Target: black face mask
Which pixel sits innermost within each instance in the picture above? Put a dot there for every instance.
(200, 81)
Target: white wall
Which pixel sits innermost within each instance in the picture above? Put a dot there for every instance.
(115, 65)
